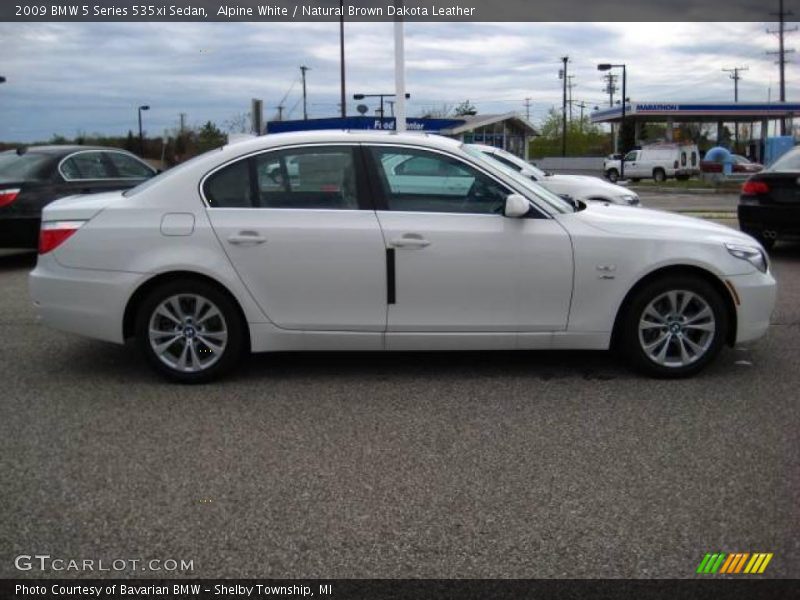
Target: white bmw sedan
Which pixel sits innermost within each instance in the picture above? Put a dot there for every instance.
(373, 241)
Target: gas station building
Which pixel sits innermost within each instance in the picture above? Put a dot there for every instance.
(670, 113)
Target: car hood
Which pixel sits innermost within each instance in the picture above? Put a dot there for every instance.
(655, 224)
(81, 207)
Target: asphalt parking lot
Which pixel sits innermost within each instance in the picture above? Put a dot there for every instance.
(525, 464)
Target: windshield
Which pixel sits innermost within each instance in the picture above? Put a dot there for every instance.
(788, 162)
(164, 175)
(21, 166)
(551, 200)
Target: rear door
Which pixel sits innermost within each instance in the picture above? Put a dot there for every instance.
(298, 227)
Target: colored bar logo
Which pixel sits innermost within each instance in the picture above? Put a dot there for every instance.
(734, 563)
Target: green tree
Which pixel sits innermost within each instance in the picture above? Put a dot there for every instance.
(210, 137)
(583, 138)
(466, 108)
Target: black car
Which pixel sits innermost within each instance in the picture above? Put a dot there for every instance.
(32, 177)
(769, 205)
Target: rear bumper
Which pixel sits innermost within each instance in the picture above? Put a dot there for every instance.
(783, 219)
(19, 232)
(756, 292)
(83, 301)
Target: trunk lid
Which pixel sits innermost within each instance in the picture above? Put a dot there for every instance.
(79, 208)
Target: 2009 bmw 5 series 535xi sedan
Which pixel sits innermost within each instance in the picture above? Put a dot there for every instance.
(374, 241)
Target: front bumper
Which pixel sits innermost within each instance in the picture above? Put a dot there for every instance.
(756, 293)
(83, 301)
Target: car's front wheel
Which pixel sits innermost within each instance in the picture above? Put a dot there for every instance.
(190, 331)
(674, 327)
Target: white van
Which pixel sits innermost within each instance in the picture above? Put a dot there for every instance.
(658, 161)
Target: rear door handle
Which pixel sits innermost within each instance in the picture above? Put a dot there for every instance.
(410, 240)
(246, 237)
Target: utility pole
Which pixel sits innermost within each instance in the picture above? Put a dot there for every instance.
(303, 70)
(182, 127)
(563, 76)
(527, 109)
(782, 52)
(391, 107)
(734, 74)
(280, 108)
(611, 87)
(570, 85)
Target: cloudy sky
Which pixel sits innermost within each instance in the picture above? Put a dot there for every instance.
(65, 78)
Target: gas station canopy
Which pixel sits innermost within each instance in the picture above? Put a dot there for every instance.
(715, 112)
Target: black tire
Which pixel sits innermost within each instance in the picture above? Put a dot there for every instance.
(636, 179)
(631, 340)
(659, 175)
(612, 175)
(229, 321)
(682, 177)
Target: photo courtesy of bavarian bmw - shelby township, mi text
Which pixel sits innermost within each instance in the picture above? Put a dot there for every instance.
(399, 299)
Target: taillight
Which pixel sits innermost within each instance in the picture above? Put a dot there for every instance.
(8, 196)
(54, 233)
(753, 188)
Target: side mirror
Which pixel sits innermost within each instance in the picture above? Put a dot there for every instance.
(516, 206)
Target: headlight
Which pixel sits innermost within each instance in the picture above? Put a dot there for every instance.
(631, 199)
(755, 256)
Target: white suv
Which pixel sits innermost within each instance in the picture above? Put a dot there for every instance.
(577, 187)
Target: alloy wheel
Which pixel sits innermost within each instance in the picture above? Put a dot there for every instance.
(677, 328)
(188, 333)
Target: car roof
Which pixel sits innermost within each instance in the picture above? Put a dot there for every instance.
(324, 136)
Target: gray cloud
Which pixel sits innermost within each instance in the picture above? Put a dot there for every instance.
(69, 77)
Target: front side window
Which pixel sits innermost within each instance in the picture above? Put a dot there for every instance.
(86, 165)
(321, 178)
(129, 167)
(445, 185)
(631, 156)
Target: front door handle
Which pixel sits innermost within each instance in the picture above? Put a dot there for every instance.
(246, 237)
(410, 240)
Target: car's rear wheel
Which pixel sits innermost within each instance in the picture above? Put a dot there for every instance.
(674, 327)
(190, 331)
(659, 175)
(612, 175)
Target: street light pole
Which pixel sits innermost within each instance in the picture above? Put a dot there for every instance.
(141, 135)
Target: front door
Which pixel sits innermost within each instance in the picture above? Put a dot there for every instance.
(459, 264)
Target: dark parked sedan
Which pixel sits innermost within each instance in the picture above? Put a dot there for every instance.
(769, 205)
(32, 177)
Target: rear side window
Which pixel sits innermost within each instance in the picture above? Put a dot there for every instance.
(129, 167)
(320, 178)
(86, 165)
(683, 159)
(23, 167)
(694, 158)
(230, 187)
